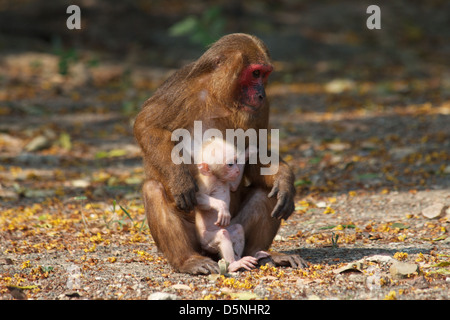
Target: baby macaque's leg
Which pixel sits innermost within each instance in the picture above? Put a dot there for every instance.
(225, 245)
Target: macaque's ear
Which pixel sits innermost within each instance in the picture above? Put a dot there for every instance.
(204, 169)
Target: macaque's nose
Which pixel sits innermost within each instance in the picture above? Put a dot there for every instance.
(261, 94)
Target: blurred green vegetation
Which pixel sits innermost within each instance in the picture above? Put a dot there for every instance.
(203, 29)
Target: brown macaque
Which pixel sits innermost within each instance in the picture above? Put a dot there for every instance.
(219, 173)
(224, 89)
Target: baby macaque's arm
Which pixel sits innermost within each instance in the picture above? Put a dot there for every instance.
(205, 202)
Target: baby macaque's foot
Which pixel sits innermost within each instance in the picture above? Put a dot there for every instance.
(246, 263)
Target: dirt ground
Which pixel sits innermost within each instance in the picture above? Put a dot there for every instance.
(364, 123)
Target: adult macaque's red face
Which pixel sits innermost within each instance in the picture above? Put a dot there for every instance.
(252, 92)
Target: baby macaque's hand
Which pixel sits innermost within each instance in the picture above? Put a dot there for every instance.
(223, 219)
(246, 262)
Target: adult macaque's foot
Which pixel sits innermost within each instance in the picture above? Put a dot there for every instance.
(289, 260)
(199, 265)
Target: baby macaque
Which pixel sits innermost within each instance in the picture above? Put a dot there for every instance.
(219, 173)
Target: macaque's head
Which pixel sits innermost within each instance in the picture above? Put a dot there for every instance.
(219, 159)
(252, 81)
(224, 172)
(239, 65)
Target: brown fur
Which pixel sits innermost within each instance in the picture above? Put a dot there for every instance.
(207, 90)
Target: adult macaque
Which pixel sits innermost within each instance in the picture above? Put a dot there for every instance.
(225, 89)
(219, 173)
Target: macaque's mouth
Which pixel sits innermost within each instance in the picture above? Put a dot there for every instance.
(249, 109)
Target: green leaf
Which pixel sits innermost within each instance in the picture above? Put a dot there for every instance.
(345, 226)
(302, 182)
(441, 271)
(204, 29)
(212, 14)
(134, 180)
(223, 266)
(79, 198)
(117, 153)
(23, 287)
(65, 141)
(126, 212)
(400, 226)
(442, 264)
(143, 224)
(367, 176)
(184, 27)
(315, 160)
(46, 269)
(101, 154)
(110, 154)
(443, 237)
(328, 227)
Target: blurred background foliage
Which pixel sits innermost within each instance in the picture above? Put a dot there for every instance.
(203, 30)
(169, 32)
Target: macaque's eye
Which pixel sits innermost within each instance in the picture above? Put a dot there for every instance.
(256, 73)
(230, 165)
